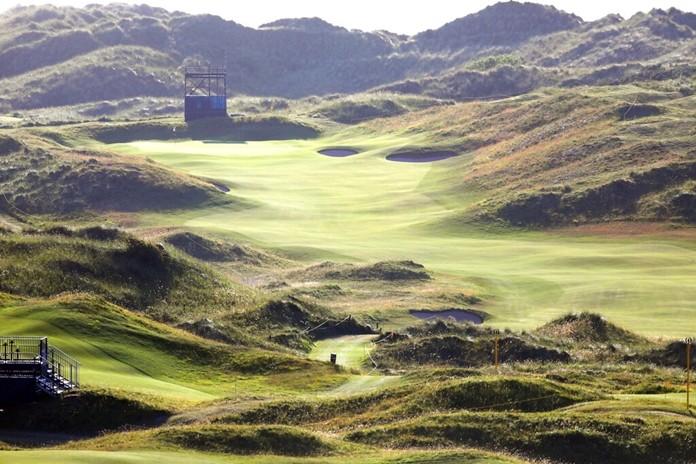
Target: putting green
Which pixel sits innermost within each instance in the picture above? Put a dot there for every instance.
(364, 207)
(351, 350)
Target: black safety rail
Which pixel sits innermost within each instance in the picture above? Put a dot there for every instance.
(24, 357)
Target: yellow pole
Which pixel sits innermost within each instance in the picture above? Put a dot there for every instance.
(496, 352)
(688, 371)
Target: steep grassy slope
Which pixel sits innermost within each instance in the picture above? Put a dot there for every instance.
(561, 157)
(119, 268)
(40, 176)
(644, 38)
(125, 71)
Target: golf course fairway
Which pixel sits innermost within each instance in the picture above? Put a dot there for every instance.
(366, 208)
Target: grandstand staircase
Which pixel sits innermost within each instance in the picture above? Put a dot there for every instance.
(23, 358)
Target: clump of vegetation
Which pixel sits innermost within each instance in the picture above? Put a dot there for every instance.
(216, 251)
(383, 270)
(489, 62)
(588, 327)
(296, 323)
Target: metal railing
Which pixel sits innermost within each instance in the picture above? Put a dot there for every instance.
(61, 368)
(22, 348)
(55, 369)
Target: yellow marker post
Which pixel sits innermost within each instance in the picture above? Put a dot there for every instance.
(688, 370)
(495, 349)
(497, 338)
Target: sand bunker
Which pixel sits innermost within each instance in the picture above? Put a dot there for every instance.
(459, 315)
(338, 152)
(220, 187)
(421, 156)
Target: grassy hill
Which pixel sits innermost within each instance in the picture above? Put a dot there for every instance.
(117, 267)
(562, 157)
(42, 176)
(135, 365)
(51, 56)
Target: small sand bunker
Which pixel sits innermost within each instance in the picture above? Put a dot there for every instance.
(421, 156)
(338, 152)
(220, 187)
(459, 315)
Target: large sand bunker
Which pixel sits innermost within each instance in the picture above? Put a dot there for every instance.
(338, 152)
(421, 156)
(459, 315)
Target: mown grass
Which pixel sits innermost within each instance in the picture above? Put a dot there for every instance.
(351, 350)
(377, 210)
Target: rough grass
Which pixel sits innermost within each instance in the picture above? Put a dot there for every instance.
(120, 268)
(588, 328)
(418, 398)
(381, 271)
(545, 411)
(379, 293)
(83, 412)
(206, 249)
(41, 176)
(252, 440)
(357, 109)
(569, 437)
(235, 129)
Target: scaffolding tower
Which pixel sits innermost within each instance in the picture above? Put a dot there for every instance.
(205, 93)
